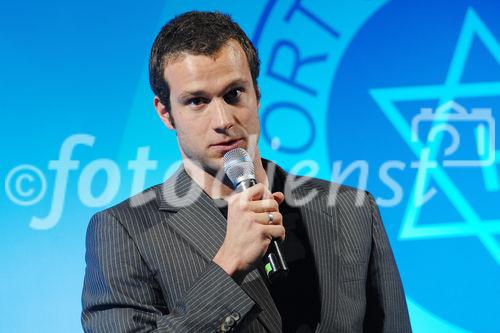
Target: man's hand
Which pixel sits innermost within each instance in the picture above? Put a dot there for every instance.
(249, 233)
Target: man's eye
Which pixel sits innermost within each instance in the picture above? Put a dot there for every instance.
(196, 101)
(233, 95)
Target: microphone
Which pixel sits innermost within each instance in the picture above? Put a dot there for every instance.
(239, 168)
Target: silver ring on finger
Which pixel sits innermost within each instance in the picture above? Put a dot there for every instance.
(271, 218)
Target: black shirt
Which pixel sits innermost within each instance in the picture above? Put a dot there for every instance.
(297, 295)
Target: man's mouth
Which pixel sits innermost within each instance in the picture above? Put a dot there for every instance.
(228, 144)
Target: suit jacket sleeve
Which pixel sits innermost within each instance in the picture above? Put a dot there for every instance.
(386, 304)
(120, 293)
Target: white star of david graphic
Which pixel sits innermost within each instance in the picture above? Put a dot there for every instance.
(472, 224)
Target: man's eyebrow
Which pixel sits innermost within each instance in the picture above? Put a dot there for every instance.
(201, 93)
(236, 83)
(189, 94)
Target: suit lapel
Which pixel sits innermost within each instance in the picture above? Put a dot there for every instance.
(201, 224)
(196, 218)
(319, 219)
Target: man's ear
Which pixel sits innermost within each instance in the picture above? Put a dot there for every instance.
(162, 112)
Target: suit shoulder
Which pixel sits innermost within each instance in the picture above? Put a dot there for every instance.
(134, 213)
(329, 188)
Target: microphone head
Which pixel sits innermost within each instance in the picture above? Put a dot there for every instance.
(238, 166)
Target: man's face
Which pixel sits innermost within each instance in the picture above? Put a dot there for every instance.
(213, 105)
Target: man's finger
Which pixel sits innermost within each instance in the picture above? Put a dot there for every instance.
(255, 192)
(270, 218)
(274, 231)
(259, 206)
(279, 197)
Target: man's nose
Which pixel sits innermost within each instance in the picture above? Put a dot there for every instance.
(222, 117)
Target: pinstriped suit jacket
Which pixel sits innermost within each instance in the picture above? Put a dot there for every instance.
(149, 264)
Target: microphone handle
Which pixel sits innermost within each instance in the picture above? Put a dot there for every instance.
(274, 262)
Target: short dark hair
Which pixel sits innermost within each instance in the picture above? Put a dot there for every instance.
(197, 33)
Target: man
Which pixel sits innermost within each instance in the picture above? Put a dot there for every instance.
(172, 259)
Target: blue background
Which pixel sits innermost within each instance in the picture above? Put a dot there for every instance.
(81, 68)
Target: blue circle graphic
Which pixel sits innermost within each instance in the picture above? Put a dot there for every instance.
(402, 50)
